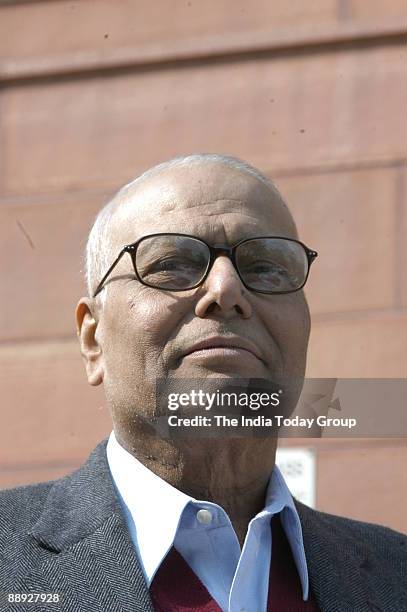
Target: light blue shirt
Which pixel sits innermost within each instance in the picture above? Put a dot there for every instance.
(159, 516)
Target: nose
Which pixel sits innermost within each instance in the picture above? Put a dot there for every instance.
(223, 292)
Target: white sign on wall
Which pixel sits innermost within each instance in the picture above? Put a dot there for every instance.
(298, 466)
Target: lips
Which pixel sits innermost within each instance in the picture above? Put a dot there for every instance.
(226, 342)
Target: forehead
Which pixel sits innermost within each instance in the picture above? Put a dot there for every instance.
(209, 200)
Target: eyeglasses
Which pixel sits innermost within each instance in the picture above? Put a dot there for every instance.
(178, 262)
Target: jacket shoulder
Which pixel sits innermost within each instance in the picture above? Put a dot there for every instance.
(377, 539)
(358, 527)
(21, 506)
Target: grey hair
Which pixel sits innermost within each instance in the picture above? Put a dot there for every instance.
(98, 255)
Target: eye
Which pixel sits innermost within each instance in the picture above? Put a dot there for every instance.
(266, 274)
(172, 264)
(166, 265)
(266, 267)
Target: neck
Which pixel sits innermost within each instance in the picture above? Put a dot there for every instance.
(233, 473)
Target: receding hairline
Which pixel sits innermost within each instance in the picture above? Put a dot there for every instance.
(130, 189)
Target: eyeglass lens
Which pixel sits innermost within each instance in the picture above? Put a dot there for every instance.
(180, 262)
(272, 264)
(172, 262)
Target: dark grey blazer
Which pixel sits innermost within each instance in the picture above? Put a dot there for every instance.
(68, 536)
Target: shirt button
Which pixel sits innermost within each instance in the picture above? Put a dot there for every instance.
(204, 516)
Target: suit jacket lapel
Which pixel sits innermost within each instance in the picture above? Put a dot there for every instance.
(86, 552)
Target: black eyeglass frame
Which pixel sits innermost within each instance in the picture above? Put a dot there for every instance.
(214, 251)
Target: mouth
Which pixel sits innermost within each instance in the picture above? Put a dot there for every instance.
(223, 347)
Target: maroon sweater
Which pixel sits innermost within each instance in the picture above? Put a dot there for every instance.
(176, 588)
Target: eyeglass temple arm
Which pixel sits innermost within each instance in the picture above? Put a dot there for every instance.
(116, 261)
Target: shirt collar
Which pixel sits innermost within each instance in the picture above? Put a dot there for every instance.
(150, 500)
(279, 499)
(161, 504)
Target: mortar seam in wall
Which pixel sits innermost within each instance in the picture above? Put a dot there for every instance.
(31, 467)
(399, 246)
(9, 200)
(339, 41)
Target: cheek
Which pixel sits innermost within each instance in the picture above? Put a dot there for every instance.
(136, 328)
(156, 317)
(288, 322)
(298, 319)
(146, 320)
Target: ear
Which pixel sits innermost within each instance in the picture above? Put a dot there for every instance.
(86, 326)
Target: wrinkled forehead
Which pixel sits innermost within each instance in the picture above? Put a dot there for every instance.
(211, 201)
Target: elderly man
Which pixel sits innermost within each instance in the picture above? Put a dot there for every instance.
(194, 271)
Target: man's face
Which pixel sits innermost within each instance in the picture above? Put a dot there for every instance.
(146, 334)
